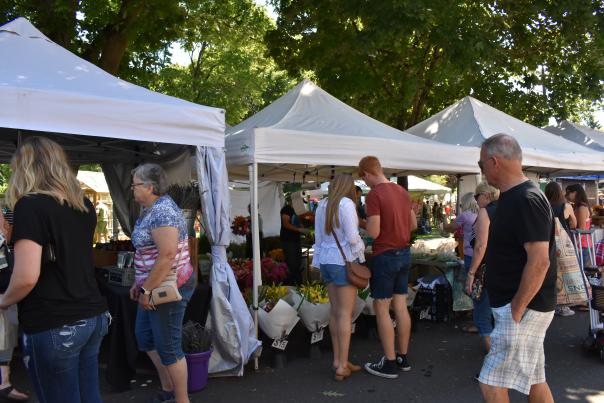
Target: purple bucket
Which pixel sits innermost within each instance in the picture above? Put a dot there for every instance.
(197, 369)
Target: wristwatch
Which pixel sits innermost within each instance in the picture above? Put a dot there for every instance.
(143, 291)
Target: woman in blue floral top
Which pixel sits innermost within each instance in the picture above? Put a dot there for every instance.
(160, 239)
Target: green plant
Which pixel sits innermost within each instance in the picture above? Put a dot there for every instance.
(195, 338)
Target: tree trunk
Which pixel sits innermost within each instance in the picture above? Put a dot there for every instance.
(113, 52)
(115, 36)
(421, 95)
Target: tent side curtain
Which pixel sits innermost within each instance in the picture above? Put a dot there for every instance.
(233, 334)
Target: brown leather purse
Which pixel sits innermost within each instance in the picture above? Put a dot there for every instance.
(357, 274)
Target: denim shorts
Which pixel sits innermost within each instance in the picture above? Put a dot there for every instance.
(390, 273)
(334, 273)
(161, 329)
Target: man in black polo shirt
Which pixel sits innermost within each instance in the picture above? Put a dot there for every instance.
(520, 276)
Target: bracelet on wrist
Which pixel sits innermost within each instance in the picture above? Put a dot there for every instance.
(470, 274)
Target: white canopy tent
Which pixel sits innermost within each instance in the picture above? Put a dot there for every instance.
(308, 135)
(586, 136)
(469, 122)
(46, 90)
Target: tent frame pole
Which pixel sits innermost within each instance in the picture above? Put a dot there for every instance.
(257, 279)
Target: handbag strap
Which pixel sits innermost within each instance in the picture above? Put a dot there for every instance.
(333, 232)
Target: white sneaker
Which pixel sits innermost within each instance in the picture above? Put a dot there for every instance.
(564, 311)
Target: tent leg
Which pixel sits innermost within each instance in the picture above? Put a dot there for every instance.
(257, 279)
(457, 208)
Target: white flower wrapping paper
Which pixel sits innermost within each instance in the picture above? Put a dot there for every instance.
(314, 316)
(280, 321)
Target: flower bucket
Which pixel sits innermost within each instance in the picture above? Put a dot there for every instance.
(197, 370)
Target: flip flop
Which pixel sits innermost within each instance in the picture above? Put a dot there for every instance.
(469, 329)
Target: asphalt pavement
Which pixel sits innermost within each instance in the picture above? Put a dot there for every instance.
(443, 359)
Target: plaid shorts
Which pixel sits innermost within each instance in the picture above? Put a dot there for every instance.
(516, 359)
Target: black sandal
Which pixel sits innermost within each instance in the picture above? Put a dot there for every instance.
(6, 397)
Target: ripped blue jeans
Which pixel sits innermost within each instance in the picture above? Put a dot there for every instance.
(63, 362)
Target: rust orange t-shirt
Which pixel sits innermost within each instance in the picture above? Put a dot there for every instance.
(393, 204)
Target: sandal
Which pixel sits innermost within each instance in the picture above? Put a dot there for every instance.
(5, 395)
(469, 329)
(352, 367)
(340, 376)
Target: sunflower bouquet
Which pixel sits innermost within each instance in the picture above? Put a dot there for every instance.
(277, 255)
(270, 295)
(312, 303)
(314, 292)
(277, 317)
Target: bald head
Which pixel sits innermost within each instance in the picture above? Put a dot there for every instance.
(502, 146)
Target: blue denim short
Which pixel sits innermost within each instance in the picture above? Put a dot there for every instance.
(161, 329)
(334, 273)
(390, 273)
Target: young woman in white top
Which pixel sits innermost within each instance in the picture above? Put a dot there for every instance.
(337, 214)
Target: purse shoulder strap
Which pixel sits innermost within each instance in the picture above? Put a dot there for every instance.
(333, 232)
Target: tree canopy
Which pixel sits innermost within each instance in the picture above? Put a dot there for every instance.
(402, 60)
(132, 39)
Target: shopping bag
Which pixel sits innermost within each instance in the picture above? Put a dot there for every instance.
(571, 282)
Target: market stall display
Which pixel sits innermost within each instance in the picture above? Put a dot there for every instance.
(121, 125)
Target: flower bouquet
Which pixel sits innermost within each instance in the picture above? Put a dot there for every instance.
(277, 255)
(273, 272)
(240, 226)
(313, 305)
(277, 318)
(244, 272)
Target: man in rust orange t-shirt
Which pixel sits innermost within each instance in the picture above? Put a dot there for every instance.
(390, 220)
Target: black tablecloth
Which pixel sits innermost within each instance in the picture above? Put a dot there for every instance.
(122, 352)
(122, 355)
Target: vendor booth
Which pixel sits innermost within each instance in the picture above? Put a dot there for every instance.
(98, 118)
(469, 122)
(308, 136)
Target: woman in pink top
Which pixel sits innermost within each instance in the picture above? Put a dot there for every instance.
(576, 195)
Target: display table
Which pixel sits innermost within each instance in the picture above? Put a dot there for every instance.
(453, 272)
(121, 342)
(123, 355)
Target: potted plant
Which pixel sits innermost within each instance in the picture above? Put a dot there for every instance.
(197, 346)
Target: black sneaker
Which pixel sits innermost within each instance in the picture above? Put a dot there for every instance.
(383, 368)
(402, 363)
